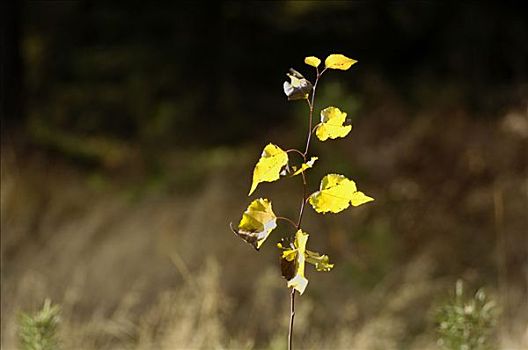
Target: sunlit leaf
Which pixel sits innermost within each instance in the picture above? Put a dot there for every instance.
(257, 222)
(298, 88)
(338, 61)
(305, 166)
(299, 282)
(312, 61)
(294, 258)
(336, 193)
(331, 126)
(293, 262)
(269, 166)
(321, 262)
(360, 198)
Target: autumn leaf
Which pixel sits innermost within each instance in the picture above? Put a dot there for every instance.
(269, 166)
(312, 61)
(338, 61)
(298, 88)
(331, 125)
(294, 258)
(287, 262)
(321, 262)
(305, 166)
(257, 223)
(336, 193)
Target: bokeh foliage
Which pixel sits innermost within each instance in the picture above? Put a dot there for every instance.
(157, 74)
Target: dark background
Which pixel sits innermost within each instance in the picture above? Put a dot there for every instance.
(155, 72)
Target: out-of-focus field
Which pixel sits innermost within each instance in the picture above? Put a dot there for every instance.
(157, 267)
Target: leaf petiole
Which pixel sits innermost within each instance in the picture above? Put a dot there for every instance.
(296, 151)
(288, 220)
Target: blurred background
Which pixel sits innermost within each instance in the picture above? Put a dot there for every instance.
(129, 135)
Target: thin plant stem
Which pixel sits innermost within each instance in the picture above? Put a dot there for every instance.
(303, 202)
(310, 131)
(292, 315)
(311, 105)
(304, 199)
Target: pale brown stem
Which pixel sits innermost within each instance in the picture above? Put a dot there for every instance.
(303, 203)
(296, 151)
(310, 131)
(292, 315)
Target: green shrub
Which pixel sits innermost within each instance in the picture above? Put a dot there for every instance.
(467, 323)
(39, 331)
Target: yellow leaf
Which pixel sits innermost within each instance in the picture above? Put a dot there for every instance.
(257, 222)
(321, 262)
(298, 88)
(269, 166)
(338, 61)
(336, 193)
(305, 166)
(294, 258)
(293, 261)
(331, 126)
(312, 61)
(289, 254)
(299, 282)
(360, 198)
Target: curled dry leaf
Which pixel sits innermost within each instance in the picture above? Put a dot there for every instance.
(294, 259)
(257, 222)
(298, 88)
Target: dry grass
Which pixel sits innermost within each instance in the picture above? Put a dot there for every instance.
(162, 270)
